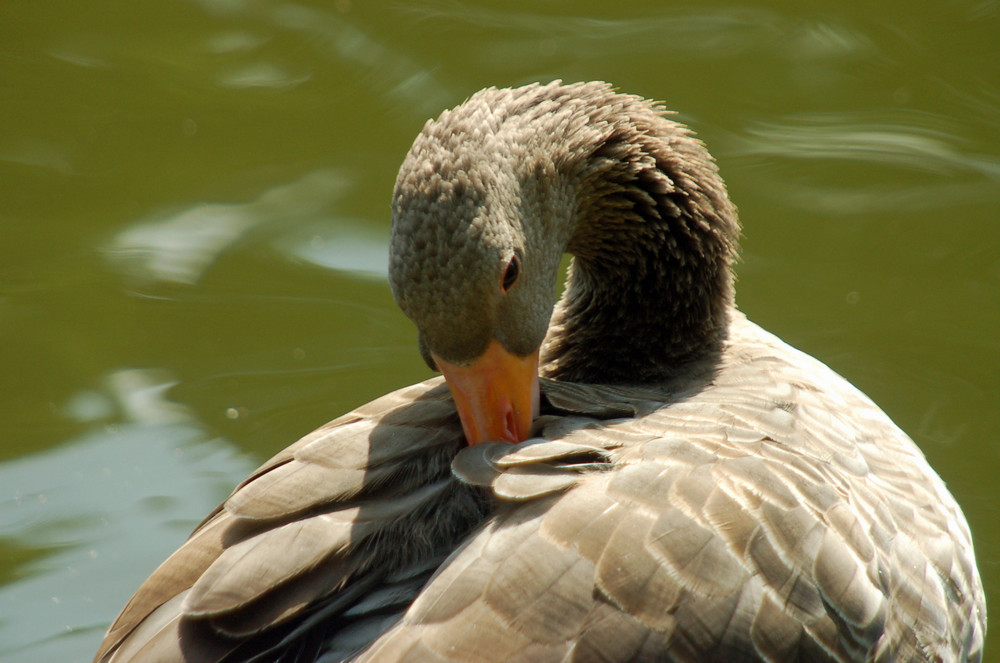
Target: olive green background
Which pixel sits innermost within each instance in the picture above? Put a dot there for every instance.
(194, 205)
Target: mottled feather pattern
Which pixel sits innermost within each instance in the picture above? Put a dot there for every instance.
(740, 522)
(310, 525)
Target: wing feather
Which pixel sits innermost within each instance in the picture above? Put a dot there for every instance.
(770, 513)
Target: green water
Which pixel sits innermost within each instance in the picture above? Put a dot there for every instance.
(194, 208)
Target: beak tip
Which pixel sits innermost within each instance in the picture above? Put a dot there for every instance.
(496, 396)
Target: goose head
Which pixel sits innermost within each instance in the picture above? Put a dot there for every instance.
(495, 191)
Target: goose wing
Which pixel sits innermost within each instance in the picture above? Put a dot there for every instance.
(352, 518)
(774, 515)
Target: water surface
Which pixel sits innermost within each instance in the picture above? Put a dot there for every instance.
(194, 209)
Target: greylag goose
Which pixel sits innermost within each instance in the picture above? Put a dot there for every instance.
(678, 485)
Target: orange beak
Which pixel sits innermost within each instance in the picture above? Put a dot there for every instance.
(496, 395)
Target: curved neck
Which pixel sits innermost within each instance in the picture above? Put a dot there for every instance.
(650, 288)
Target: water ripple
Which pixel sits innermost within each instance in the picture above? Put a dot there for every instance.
(333, 36)
(943, 166)
(181, 247)
(712, 33)
(261, 74)
(910, 141)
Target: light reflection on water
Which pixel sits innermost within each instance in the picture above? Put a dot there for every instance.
(943, 166)
(911, 141)
(330, 34)
(181, 247)
(99, 510)
(194, 217)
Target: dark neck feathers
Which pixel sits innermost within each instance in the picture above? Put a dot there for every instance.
(650, 287)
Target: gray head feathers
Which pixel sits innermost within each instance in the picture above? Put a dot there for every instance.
(537, 171)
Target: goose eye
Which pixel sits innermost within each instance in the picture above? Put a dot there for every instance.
(510, 274)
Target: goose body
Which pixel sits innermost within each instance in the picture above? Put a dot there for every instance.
(678, 485)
